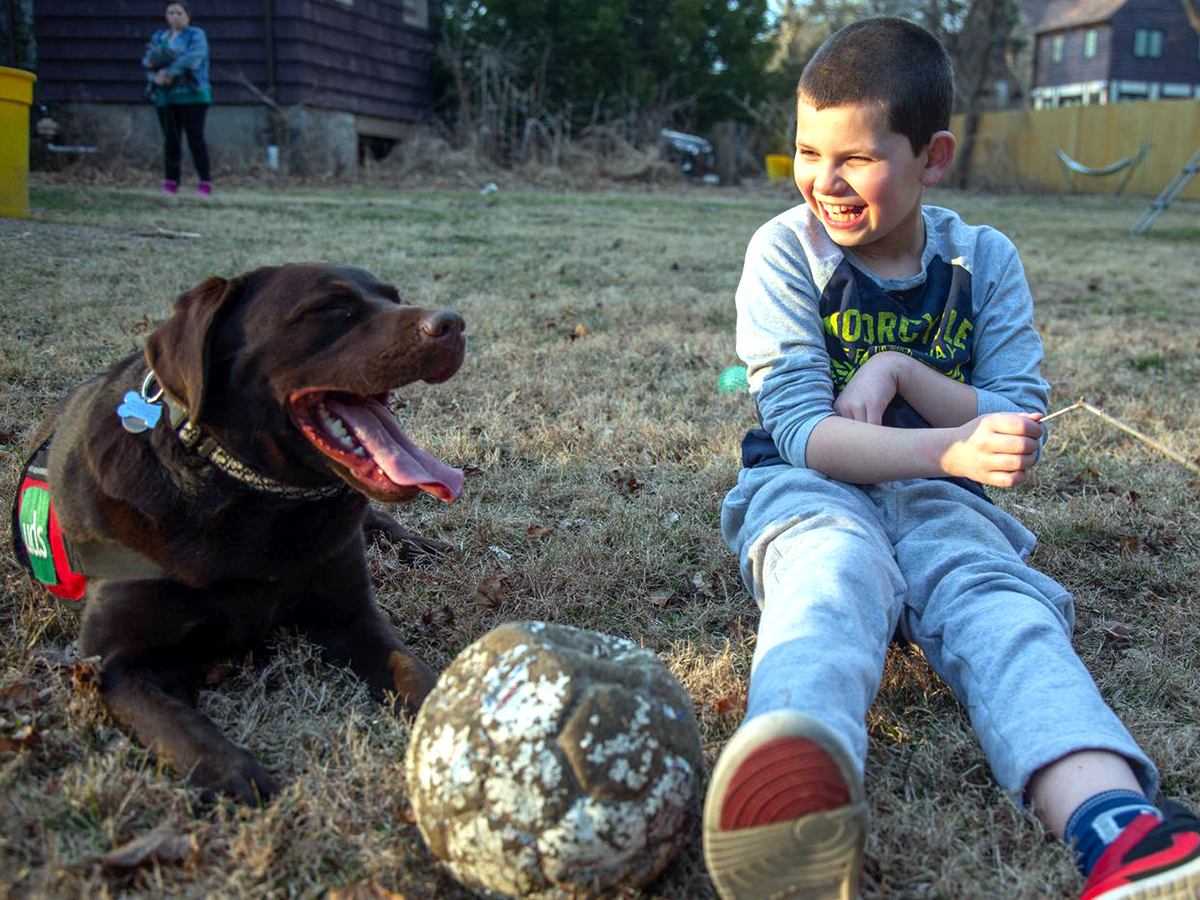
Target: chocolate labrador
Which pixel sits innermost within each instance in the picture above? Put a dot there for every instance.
(215, 489)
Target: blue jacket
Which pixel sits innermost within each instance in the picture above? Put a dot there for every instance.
(185, 59)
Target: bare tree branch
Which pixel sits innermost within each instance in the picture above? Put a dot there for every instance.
(1192, 11)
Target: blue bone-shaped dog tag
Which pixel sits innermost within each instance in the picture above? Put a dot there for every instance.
(137, 413)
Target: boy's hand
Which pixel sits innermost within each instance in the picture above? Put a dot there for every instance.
(997, 449)
(870, 389)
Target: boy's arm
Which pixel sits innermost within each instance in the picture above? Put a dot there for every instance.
(780, 336)
(997, 449)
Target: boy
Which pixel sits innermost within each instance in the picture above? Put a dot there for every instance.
(891, 353)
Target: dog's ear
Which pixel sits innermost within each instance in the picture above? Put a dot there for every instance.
(178, 350)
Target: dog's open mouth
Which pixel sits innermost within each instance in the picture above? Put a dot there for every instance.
(362, 436)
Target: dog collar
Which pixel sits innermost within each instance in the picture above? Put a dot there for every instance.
(142, 411)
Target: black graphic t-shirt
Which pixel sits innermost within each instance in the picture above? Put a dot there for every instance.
(931, 322)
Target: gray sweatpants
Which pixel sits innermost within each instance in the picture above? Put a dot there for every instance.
(837, 569)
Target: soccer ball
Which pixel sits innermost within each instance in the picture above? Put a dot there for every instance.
(549, 761)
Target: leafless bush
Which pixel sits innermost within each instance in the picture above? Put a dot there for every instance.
(503, 114)
(101, 140)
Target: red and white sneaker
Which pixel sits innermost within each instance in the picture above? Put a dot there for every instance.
(785, 813)
(1151, 858)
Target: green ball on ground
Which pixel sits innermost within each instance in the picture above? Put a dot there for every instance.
(732, 379)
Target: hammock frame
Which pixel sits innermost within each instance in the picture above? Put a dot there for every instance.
(1130, 162)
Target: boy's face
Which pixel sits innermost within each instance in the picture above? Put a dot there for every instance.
(861, 179)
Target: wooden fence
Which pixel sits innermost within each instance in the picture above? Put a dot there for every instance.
(1016, 148)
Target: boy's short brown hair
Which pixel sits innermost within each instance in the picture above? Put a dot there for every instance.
(889, 61)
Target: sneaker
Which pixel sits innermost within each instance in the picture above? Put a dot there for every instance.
(785, 812)
(204, 189)
(1152, 857)
(169, 186)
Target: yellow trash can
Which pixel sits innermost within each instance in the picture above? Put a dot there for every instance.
(779, 168)
(16, 96)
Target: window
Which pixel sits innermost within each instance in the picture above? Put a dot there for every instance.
(1056, 48)
(1147, 42)
(1090, 39)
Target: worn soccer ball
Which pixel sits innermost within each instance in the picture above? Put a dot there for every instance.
(550, 761)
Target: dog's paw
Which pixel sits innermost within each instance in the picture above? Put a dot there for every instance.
(413, 549)
(238, 776)
(412, 680)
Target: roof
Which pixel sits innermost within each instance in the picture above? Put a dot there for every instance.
(1073, 13)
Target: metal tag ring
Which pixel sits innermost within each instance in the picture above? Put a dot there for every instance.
(150, 377)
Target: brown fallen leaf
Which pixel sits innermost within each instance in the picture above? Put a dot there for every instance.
(1119, 635)
(540, 531)
(363, 890)
(661, 598)
(165, 845)
(490, 592)
(22, 737)
(628, 483)
(85, 675)
(731, 705)
(23, 695)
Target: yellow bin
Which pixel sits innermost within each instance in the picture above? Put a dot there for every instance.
(16, 96)
(779, 168)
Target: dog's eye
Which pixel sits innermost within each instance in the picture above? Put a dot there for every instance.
(337, 309)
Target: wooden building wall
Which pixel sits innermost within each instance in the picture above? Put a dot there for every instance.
(1074, 67)
(362, 56)
(1180, 61)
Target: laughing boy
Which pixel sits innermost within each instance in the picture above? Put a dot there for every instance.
(891, 352)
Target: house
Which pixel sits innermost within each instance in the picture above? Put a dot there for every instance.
(1106, 51)
(322, 78)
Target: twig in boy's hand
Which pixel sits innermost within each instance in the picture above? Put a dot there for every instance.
(1128, 429)
(1078, 404)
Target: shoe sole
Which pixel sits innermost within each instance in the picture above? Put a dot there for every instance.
(1181, 883)
(814, 855)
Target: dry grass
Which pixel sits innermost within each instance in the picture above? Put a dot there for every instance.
(588, 405)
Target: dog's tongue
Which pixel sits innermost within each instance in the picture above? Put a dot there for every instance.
(376, 429)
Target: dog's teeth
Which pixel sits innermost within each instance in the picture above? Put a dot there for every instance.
(333, 425)
(359, 451)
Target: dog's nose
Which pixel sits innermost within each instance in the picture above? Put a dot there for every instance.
(439, 324)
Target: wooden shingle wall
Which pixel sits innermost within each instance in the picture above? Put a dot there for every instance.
(362, 57)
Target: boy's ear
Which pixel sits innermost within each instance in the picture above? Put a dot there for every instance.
(939, 154)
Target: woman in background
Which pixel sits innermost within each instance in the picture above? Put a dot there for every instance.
(176, 64)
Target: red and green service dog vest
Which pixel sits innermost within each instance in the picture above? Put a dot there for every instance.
(38, 541)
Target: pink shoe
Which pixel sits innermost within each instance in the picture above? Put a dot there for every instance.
(204, 189)
(170, 187)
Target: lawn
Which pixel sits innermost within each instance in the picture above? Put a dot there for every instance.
(597, 449)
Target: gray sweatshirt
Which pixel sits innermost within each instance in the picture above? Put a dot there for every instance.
(809, 313)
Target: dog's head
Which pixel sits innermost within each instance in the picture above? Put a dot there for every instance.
(291, 368)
